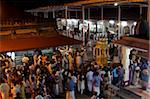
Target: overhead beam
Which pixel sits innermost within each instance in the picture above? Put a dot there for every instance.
(88, 2)
(135, 43)
(33, 42)
(120, 3)
(53, 9)
(85, 2)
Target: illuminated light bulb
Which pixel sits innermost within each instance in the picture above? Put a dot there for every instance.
(74, 20)
(111, 21)
(134, 23)
(115, 4)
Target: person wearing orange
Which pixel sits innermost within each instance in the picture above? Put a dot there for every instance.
(4, 89)
(70, 58)
(44, 57)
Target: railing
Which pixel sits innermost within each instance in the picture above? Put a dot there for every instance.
(24, 21)
(24, 25)
(71, 34)
(37, 24)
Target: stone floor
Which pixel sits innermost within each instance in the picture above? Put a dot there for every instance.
(83, 96)
(78, 96)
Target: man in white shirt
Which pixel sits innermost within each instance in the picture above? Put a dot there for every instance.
(89, 77)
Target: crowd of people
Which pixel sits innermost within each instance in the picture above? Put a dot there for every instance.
(44, 77)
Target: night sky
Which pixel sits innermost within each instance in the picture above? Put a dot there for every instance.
(12, 7)
(30, 4)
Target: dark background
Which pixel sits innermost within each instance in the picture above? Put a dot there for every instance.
(29, 4)
(128, 12)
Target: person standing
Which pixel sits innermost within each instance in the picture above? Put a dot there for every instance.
(115, 75)
(71, 88)
(70, 61)
(82, 82)
(96, 83)
(44, 57)
(39, 62)
(136, 75)
(89, 77)
(60, 84)
(4, 89)
(78, 60)
(57, 79)
(23, 90)
(79, 82)
(25, 60)
(27, 89)
(144, 78)
(121, 73)
(109, 77)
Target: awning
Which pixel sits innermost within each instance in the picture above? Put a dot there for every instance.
(141, 45)
(136, 43)
(19, 44)
(20, 30)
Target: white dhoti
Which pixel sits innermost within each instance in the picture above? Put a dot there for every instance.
(71, 95)
(79, 85)
(57, 89)
(82, 86)
(96, 89)
(89, 85)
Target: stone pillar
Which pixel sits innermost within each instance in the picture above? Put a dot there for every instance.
(125, 61)
(66, 14)
(35, 13)
(148, 19)
(89, 13)
(102, 19)
(140, 9)
(119, 21)
(83, 32)
(54, 14)
(148, 14)
(45, 14)
(76, 14)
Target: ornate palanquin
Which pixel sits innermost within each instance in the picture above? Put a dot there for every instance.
(101, 52)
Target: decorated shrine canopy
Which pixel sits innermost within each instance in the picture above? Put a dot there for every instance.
(35, 42)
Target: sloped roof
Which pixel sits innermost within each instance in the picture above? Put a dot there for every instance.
(98, 2)
(132, 42)
(20, 44)
(20, 22)
(142, 45)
